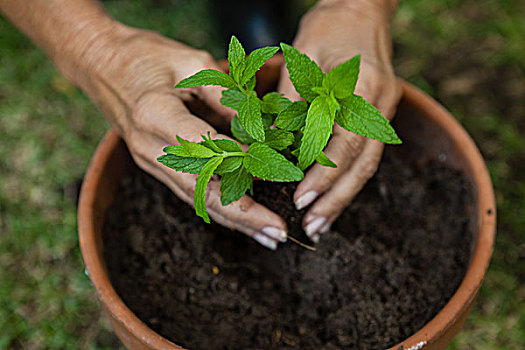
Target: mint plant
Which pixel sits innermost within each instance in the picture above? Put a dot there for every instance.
(284, 137)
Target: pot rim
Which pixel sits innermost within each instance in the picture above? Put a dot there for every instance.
(455, 307)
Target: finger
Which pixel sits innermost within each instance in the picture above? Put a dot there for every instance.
(209, 95)
(244, 215)
(286, 87)
(342, 149)
(163, 114)
(389, 99)
(326, 210)
(159, 124)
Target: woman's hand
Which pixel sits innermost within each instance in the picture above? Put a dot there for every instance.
(134, 88)
(331, 33)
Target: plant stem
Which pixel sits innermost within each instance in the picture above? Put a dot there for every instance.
(298, 242)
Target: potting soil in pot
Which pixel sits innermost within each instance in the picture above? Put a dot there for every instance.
(390, 263)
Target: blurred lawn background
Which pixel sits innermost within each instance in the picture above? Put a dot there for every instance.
(469, 55)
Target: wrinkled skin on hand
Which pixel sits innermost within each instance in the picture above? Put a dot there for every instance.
(331, 33)
(134, 88)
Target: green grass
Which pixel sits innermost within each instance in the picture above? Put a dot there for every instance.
(468, 54)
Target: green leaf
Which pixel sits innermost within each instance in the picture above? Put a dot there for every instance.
(195, 150)
(298, 136)
(208, 77)
(268, 164)
(293, 117)
(325, 161)
(274, 103)
(278, 139)
(234, 185)
(304, 73)
(249, 109)
(317, 131)
(359, 116)
(251, 84)
(177, 150)
(250, 116)
(239, 133)
(236, 59)
(343, 78)
(208, 142)
(267, 120)
(200, 188)
(184, 164)
(255, 62)
(228, 165)
(232, 98)
(228, 145)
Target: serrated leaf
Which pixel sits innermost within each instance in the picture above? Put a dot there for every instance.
(228, 165)
(267, 120)
(343, 78)
(278, 139)
(208, 142)
(208, 77)
(195, 150)
(234, 185)
(232, 98)
(177, 150)
(325, 161)
(201, 185)
(298, 136)
(317, 130)
(274, 103)
(255, 61)
(184, 164)
(249, 111)
(236, 59)
(250, 116)
(359, 116)
(268, 164)
(228, 145)
(304, 73)
(293, 117)
(251, 84)
(239, 133)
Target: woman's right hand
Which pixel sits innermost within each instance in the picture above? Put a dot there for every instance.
(133, 85)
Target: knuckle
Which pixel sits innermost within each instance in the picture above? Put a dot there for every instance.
(369, 169)
(352, 144)
(141, 114)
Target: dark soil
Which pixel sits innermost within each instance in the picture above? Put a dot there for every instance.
(390, 263)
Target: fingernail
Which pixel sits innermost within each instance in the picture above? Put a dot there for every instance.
(306, 199)
(314, 226)
(276, 233)
(265, 241)
(315, 238)
(325, 228)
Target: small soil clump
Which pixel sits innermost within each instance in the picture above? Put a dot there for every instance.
(389, 264)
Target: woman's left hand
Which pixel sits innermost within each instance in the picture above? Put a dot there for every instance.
(331, 33)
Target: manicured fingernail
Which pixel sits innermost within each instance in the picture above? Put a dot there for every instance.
(314, 226)
(275, 232)
(315, 238)
(265, 241)
(306, 199)
(325, 228)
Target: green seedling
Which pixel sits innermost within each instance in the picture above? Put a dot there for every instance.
(283, 137)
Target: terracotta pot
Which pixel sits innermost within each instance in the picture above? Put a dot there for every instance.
(426, 127)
